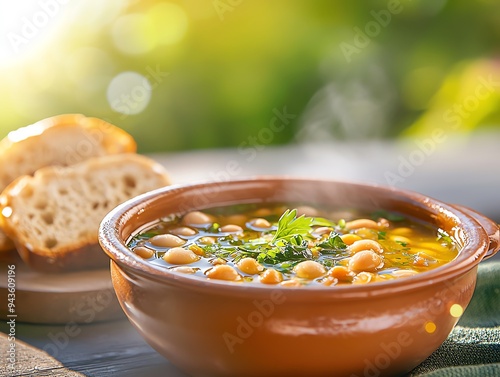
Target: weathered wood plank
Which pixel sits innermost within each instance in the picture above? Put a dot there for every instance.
(22, 359)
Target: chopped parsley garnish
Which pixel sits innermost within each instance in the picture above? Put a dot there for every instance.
(333, 244)
(289, 245)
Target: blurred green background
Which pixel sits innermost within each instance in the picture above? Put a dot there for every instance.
(192, 74)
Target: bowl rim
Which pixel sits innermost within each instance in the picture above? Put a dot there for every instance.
(468, 258)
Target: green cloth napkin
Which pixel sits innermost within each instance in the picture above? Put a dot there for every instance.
(473, 348)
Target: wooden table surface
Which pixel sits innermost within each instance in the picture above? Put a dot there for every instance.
(464, 171)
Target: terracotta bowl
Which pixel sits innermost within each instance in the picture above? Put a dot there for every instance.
(215, 328)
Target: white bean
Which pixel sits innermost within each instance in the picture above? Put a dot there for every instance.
(179, 255)
(223, 272)
(250, 266)
(271, 276)
(196, 218)
(183, 231)
(167, 240)
(231, 228)
(366, 260)
(260, 223)
(361, 245)
(309, 270)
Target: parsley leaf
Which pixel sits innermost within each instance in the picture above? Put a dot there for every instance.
(289, 225)
(381, 235)
(333, 243)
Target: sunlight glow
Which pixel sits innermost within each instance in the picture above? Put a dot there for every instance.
(24, 25)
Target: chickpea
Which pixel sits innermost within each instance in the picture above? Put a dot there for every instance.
(184, 269)
(404, 273)
(307, 211)
(402, 231)
(183, 231)
(363, 278)
(341, 273)
(366, 260)
(329, 281)
(196, 218)
(237, 219)
(143, 252)
(262, 212)
(179, 255)
(292, 283)
(250, 266)
(309, 270)
(322, 230)
(361, 245)
(271, 276)
(217, 261)
(223, 272)
(260, 223)
(349, 239)
(207, 240)
(231, 228)
(167, 240)
(400, 239)
(361, 223)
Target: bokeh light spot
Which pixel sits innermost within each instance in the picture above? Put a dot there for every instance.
(6, 211)
(168, 23)
(129, 93)
(456, 310)
(430, 327)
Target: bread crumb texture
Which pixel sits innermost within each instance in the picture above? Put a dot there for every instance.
(60, 208)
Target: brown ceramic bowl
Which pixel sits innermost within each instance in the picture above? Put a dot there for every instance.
(215, 328)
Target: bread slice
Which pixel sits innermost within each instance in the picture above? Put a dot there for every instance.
(53, 216)
(60, 140)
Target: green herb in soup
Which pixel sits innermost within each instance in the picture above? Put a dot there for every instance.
(294, 247)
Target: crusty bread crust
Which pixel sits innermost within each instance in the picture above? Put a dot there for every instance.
(54, 215)
(61, 140)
